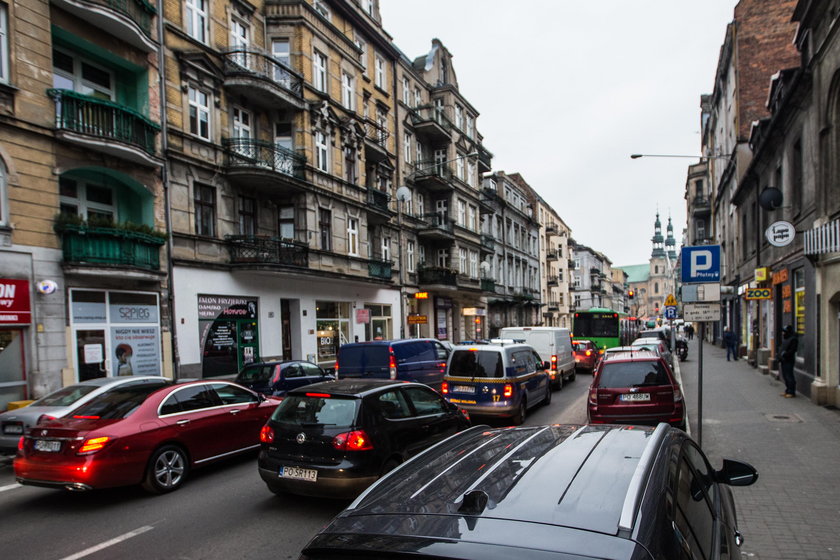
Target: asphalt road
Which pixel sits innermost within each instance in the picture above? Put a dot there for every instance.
(223, 511)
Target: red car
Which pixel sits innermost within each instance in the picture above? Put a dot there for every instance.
(586, 355)
(635, 388)
(150, 434)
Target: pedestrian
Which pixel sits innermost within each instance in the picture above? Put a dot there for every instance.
(787, 357)
(731, 343)
(689, 331)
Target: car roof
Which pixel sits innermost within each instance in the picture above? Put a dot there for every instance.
(646, 340)
(633, 356)
(388, 342)
(586, 477)
(102, 381)
(494, 346)
(349, 387)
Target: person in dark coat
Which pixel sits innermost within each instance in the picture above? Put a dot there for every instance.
(730, 340)
(787, 357)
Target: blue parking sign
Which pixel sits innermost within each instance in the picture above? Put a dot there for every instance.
(700, 264)
(671, 312)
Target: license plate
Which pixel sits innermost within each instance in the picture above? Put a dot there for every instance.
(12, 429)
(47, 446)
(297, 473)
(463, 389)
(635, 397)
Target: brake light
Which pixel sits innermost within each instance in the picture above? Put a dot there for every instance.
(276, 377)
(86, 417)
(593, 396)
(357, 440)
(266, 434)
(444, 388)
(20, 444)
(601, 351)
(45, 418)
(508, 391)
(92, 445)
(589, 352)
(319, 395)
(677, 395)
(392, 363)
(554, 361)
(466, 414)
(336, 369)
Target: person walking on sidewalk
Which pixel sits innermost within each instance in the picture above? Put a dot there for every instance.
(731, 343)
(787, 357)
(689, 331)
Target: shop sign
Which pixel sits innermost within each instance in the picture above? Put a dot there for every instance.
(780, 234)
(418, 319)
(787, 291)
(15, 307)
(226, 307)
(761, 274)
(758, 293)
(780, 276)
(362, 316)
(421, 295)
(136, 350)
(474, 312)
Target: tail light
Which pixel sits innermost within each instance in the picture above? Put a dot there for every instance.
(357, 440)
(588, 353)
(336, 369)
(45, 418)
(276, 377)
(508, 391)
(267, 434)
(466, 414)
(392, 363)
(20, 444)
(677, 395)
(593, 396)
(554, 361)
(92, 445)
(601, 351)
(444, 388)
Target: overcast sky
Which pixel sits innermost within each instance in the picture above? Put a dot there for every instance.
(568, 89)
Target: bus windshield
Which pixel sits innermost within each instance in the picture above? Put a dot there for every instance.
(595, 325)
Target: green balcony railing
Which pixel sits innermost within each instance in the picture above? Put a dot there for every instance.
(380, 269)
(260, 249)
(103, 119)
(437, 275)
(488, 285)
(110, 246)
(262, 154)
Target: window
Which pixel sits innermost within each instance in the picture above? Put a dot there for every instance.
(350, 174)
(470, 126)
(199, 113)
(796, 185)
(240, 40)
(325, 227)
(280, 52)
(87, 200)
(693, 517)
(462, 213)
(409, 256)
(286, 222)
(576, 281)
(247, 216)
(4, 48)
(407, 147)
(205, 210)
(77, 74)
(319, 71)
(426, 401)
(385, 248)
(4, 211)
(473, 264)
(347, 91)
(443, 258)
(379, 70)
(459, 117)
(462, 261)
(406, 90)
(418, 97)
(363, 58)
(473, 218)
(197, 19)
(392, 405)
(471, 174)
(353, 236)
(321, 151)
(367, 6)
(459, 167)
(419, 151)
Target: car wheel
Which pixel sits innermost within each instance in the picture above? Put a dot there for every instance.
(547, 399)
(558, 383)
(520, 415)
(167, 470)
(572, 377)
(276, 489)
(389, 465)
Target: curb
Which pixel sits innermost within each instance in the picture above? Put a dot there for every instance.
(678, 375)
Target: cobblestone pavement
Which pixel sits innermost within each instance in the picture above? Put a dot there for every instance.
(792, 511)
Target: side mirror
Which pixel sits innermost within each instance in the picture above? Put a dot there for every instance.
(736, 473)
(546, 365)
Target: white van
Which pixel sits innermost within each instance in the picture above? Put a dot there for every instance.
(553, 344)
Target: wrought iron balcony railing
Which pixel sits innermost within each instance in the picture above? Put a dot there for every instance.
(437, 275)
(380, 269)
(430, 114)
(139, 11)
(253, 153)
(488, 241)
(262, 249)
(100, 118)
(254, 62)
(432, 170)
(377, 199)
(440, 222)
(110, 246)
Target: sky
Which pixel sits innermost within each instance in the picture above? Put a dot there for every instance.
(568, 89)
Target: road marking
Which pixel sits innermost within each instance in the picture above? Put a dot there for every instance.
(106, 544)
(9, 487)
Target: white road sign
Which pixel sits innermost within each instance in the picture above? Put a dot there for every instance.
(692, 293)
(701, 312)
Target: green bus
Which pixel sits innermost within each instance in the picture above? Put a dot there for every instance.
(605, 327)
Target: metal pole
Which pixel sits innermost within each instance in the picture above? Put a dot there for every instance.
(700, 386)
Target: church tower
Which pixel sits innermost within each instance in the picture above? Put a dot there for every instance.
(658, 251)
(670, 242)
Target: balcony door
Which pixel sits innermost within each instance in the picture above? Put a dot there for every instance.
(283, 141)
(240, 40)
(442, 211)
(242, 134)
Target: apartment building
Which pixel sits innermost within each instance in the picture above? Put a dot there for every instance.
(555, 264)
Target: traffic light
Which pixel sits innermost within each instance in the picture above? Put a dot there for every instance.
(631, 294)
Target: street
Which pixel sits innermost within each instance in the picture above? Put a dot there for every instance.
(223, 511)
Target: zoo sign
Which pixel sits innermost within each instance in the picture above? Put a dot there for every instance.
(758, 293)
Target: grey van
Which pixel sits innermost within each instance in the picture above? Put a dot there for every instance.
(422, 360)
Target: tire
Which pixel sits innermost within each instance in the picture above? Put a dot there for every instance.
(574, 373)
(275, 489)
(167, 470)
(521, 414)
(558, 382)
(389, 465)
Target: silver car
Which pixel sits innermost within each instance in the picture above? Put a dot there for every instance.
(14, 423)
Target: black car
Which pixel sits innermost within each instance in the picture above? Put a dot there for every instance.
(334, 439)
(561, 491)
(277, 378)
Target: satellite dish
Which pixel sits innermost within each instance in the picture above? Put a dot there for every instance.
(485, 266)
(770, 198)
(403, 193)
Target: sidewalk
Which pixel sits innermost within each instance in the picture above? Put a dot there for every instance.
(792, 511)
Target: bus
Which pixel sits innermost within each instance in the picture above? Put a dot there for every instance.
(605, 327)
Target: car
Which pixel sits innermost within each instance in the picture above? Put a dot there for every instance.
(614, 351)
(500, 379)
(636, 388)
(656, 345)
(554, 344)
(422, 360)
(15, 423)
(277, 378)
(570, 492)
(586, 355)
(151, 434)
(334, 439)
(662, 333)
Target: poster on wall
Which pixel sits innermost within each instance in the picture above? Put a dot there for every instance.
(136, 350)
(228, 327)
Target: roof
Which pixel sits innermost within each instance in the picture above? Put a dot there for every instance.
(637, 272)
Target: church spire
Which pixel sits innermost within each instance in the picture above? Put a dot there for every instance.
(670, 242)
(657, 239)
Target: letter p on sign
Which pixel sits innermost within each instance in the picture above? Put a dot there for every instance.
(700, 261)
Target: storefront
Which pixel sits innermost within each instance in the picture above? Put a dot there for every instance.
(15, 318)
(229, 333)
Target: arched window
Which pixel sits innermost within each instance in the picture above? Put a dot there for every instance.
(656, 287)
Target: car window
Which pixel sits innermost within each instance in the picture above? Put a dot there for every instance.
(117, 403)
(408, 351)
(311, 370)
(537, 360)
(426, 401)
(476, 363)
(693, 518)
(633, 374)
(440, 350)
(292, 370)
(523, 362)
(231, 394)
(170, 406)
(392, 405)
(196, 397)
(65, 396)
(302, 410)
(250, 374)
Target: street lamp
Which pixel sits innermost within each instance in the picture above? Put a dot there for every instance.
(637, 156)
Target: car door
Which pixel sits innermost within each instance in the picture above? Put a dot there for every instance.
(240, 418)
(695, 506)
(525, 367)
(396, 422)
(293, 376)
(313, 373)
(192, 414)
(434, 417)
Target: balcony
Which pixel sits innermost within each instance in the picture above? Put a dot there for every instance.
(553, 281)
(488, 243)
(484, 159)
(438, 276)
(552, 255)
(110, 246)
(263, 79)
(431, 123)
(105, 127)
(263, 165)
(488, 285)
(262, 250)
(436, 226)
(378, 205)
(572, 264)
(435, 177)
(376, 142)
(553, 307)
(701, 205)
(380, 269)
(128, 20)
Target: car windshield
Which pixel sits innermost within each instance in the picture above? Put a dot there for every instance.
(117, 403)
(581, 346)
(65, 396)
(632, 374)
(476, 363)
(260, 372)
(302, 410)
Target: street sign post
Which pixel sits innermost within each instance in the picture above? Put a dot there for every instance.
(701, 312)
(700, 264)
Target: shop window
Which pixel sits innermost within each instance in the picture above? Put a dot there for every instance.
(380, 326)
(799, 306)
(229, 333)
(333, 329)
